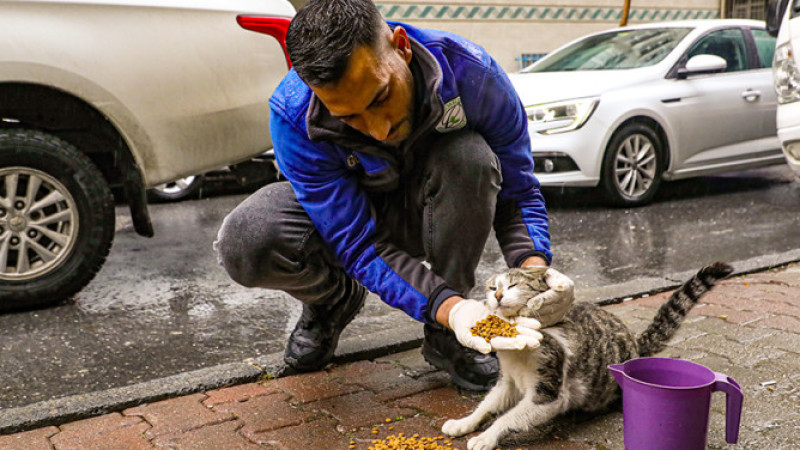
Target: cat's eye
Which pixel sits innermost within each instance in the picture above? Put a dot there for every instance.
(492, 288)
(511, 285)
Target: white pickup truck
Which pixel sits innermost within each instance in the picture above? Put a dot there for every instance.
(783, 21)
(118, 93)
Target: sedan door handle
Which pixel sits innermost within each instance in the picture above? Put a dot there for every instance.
(751, 95)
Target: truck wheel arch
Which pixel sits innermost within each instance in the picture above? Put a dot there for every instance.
(59, 113)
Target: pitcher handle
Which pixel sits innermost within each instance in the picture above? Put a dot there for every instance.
(733, 405)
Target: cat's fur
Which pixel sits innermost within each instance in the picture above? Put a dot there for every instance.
(569, 370)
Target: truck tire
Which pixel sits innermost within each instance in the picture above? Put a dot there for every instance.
(177, 190)
(56, 219)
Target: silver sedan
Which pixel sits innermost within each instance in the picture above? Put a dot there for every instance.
(627, 108)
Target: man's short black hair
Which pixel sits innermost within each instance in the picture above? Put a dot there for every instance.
(324, 34)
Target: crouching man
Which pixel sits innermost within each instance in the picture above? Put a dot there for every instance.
(403, 147)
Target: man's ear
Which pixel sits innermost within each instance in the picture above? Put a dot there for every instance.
(402, 43)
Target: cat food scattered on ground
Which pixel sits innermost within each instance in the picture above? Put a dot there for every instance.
(493, 326)
(415, 442)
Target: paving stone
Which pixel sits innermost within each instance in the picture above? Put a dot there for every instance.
(742, 333)
(788, 342)
(411, 386)
(358, 410)
(177, 415)
(729, 315)
(389, 380)
(410, 361)
(600, 431)
(219, 436)
(311, 387)
(29, 440)
(265, 412)
(445, 403)
(745, 356)
(103, 432)
(317, 434)
(239, 393)
(786, 323)
(356, 372)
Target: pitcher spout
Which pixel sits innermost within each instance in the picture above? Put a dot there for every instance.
(618, 371)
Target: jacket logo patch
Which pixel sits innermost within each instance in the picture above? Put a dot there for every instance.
(352, 160)
(453, 117)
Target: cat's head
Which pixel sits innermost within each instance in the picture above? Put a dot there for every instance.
(508, 293)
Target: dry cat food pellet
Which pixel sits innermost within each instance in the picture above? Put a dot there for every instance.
(400, 442)
(493, 326)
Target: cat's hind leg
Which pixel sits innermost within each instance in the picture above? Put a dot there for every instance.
(523, 416)
(501, 397)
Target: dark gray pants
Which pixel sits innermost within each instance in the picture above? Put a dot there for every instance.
(442, 214)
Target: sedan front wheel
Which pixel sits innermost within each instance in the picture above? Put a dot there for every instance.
(632, 166)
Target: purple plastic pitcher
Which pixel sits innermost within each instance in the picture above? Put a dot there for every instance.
(666, 403)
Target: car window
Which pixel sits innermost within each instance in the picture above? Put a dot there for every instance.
(765, 44)
(727, 44)
(626, 49)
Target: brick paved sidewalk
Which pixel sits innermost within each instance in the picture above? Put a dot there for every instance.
(748, 328)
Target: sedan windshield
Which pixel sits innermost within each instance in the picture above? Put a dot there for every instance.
(615, 50)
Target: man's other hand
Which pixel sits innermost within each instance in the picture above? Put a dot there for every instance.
(552, 304)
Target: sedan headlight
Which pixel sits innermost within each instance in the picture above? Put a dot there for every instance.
(785, 74)
(563, 116)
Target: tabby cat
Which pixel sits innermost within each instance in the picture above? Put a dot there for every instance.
(569, 370)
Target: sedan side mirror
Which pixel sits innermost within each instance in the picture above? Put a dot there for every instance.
(700, 64)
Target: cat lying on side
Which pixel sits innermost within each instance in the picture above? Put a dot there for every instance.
(569, 370)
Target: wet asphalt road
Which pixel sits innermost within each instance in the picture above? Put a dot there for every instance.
(163, 306)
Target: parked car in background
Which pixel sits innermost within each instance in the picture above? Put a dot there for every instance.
(784, 22)
(626, 108)
(255, 172)
(101, 94)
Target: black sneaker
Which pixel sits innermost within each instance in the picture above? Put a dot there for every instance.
(469, 369)
(316, 335)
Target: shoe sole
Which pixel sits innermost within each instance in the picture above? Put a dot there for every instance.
(439, 361)
(320, 363)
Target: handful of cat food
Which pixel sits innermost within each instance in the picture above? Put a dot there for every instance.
(493, 326)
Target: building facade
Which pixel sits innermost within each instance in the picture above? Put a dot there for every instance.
(517, 32)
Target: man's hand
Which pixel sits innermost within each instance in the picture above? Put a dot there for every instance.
(552, 304)
(466, 313)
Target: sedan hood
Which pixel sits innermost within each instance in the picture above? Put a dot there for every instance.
(544, 87)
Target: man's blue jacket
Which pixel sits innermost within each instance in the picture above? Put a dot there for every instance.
(333, 169)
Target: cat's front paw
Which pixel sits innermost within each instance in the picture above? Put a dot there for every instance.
(458, 427)
(482, 442)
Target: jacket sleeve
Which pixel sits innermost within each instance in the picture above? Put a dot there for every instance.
(495, 111)
(341, 212)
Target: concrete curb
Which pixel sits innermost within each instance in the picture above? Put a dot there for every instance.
(82, 406)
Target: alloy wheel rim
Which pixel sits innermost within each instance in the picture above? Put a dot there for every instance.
(176, 186)
(635, 166)
(38, 223)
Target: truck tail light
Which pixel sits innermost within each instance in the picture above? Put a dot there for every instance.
(273, 26)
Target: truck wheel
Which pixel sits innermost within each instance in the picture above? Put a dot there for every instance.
(177, 190)
(56, 219)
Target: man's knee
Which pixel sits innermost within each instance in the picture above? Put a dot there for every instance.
(250, 240)
(466, 156)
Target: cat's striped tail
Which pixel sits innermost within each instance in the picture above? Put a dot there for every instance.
(671, 314)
